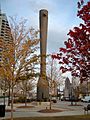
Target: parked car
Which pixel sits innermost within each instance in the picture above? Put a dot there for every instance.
(86, 99)
(65, 98)
(54, 100)
(62, 98)
(73, 99)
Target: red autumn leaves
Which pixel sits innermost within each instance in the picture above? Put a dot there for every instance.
(75, 57)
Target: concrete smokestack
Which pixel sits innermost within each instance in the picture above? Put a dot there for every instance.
(43, 86)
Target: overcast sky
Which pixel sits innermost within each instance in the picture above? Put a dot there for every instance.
(62, 17)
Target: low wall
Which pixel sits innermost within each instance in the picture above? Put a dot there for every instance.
(43, 103)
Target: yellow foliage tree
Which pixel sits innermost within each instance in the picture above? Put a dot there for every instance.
(18, 54)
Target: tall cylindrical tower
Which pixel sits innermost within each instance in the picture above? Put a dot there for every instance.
(43, 86)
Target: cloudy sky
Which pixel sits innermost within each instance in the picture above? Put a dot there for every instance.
(62, 17)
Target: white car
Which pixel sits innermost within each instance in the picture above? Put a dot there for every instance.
(86, 99)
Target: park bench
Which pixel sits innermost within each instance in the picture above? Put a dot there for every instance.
(86, 109)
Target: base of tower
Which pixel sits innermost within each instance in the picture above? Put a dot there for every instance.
(42, 94)
(42, 90)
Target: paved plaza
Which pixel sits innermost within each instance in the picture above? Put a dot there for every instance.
(66, 108)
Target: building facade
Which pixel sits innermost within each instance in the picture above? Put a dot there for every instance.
(5, 33)
(70, 89)
(5, 40)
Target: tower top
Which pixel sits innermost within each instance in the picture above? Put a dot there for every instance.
(43, 12)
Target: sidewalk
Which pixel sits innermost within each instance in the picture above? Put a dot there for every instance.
(34, 111)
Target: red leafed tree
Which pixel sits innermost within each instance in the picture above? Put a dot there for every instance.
(75, 57)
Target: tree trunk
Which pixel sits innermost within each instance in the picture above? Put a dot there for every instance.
(71, 102)
(11, 99)
(9, 96)
(25, 99)
(26, 93)
(50, 103)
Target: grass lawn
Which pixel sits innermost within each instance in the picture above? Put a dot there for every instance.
(79, 117)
